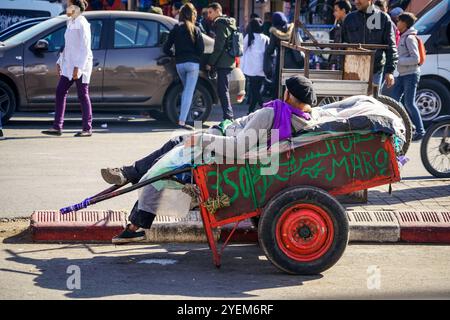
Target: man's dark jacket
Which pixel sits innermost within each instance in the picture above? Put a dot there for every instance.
(373, 27)
(223, 27)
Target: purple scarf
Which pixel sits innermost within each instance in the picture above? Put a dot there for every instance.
(282, 118)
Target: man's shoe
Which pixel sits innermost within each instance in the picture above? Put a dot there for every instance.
(128, 236)
(2, 137)
(114, 176)
(83, 134)
(52, 132)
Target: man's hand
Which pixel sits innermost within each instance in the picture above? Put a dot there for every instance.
(191, 140)
(75, 73)
(58, 69)
(389, 78)
(208, 67)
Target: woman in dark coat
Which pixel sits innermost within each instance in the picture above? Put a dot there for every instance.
(281, 30)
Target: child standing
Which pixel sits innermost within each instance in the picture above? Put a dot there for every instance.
(409, 71)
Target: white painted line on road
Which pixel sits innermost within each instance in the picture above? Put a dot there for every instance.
(163, 262)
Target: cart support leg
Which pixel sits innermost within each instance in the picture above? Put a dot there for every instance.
(210, 236)
(229, 236)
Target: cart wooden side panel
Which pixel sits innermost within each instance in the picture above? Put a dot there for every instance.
(338, 165)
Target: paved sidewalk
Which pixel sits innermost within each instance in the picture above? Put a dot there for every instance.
(417, 195)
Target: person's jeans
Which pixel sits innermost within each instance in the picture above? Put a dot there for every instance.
(135, 172)
(224, 92)
(405, 87)
(256, 83)
(188, 73)
(63, 87)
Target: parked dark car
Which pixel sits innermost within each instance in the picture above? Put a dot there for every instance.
(130, 70)
(19, 27)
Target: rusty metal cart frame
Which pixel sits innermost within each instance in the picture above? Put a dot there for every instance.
(303, 229)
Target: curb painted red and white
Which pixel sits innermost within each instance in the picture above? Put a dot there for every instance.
(365, 226)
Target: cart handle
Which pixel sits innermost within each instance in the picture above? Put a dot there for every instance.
(113, 192)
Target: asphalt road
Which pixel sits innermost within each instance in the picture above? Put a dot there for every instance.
(185, 271)
(38, 172)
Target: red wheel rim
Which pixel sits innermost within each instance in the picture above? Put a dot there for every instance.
(304, 232)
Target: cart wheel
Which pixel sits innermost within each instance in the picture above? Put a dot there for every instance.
(303, 230)
(400, 111)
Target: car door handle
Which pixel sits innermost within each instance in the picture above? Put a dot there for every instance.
(96, 63)
(163, 60)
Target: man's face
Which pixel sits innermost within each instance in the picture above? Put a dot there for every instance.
(339, 13)
(213, 14)
(362, 5)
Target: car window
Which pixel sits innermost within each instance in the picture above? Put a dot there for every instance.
(36, 30)
(96, 33)
(163, 34)
(427, 21)
(56, 38)
(133, 33)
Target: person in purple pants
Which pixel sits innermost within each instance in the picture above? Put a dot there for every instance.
(74, 66)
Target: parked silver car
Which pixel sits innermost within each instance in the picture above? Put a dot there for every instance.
(130, 72)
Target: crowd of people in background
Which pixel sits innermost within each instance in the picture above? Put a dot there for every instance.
(261, 56)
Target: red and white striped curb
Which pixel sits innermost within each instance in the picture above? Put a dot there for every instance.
(365, 226)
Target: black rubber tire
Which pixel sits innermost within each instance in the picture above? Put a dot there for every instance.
(174, 94)
(400, 111)
(272, 213)
(8, 101)
(423, 150)
(441, 90)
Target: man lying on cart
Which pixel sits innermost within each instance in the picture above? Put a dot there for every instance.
(293, 114)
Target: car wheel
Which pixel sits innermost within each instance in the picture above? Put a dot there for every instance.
(7, 102)
(200, 108)
(431, 99)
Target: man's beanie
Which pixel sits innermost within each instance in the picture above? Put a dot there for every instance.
(302, 88)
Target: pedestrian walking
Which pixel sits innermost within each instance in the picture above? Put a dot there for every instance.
(341, 9)
(281, 30)
(220, 60)
(255, 44)
(74, 66)
(409, 71)
(189, 47)
(369, 25)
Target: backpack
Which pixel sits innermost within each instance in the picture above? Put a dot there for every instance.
(422, 51)
(236, 44)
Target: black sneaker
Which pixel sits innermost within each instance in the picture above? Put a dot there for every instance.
(2, 137)
(128, 236)
(52, 132)
(417, 137)
(83, 134)
(114, 176)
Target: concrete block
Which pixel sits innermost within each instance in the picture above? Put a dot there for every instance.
(373, 226)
